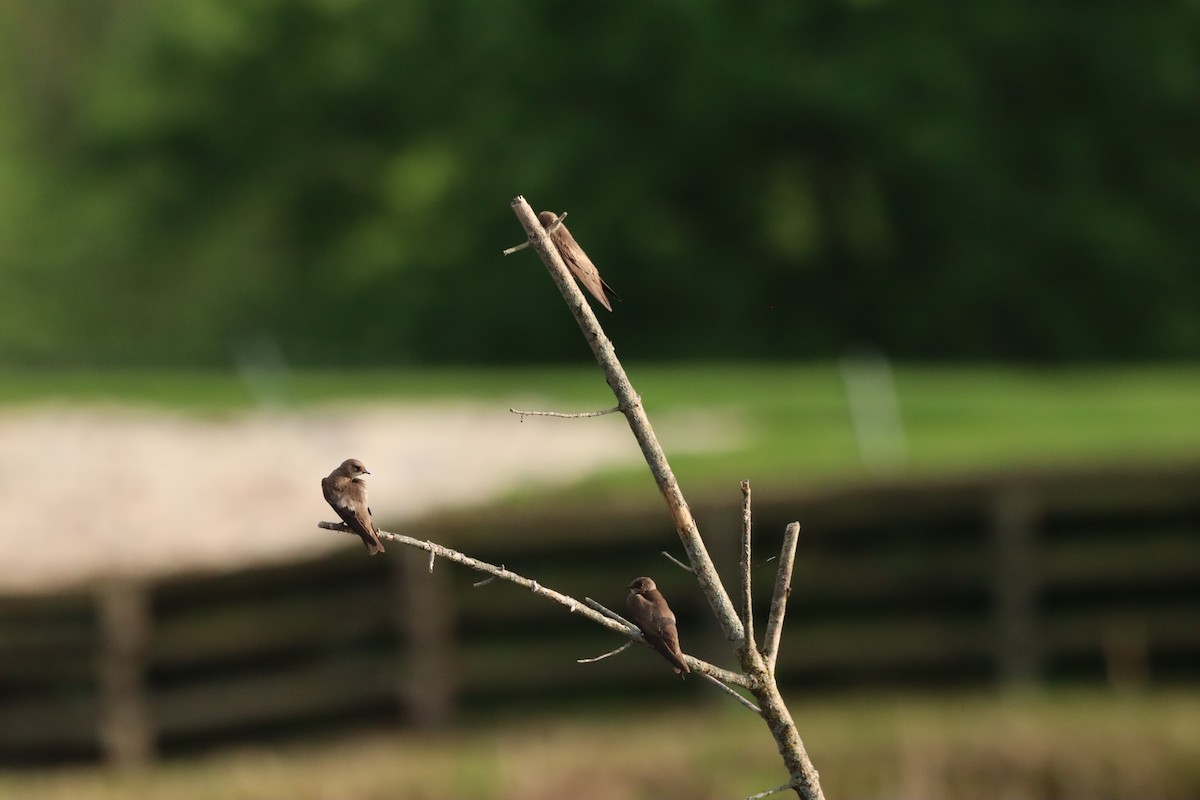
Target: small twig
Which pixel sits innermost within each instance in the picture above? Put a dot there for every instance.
(608, 619)
(677, 562)
(432, 556)
(731, 693)
(747, 589)
(485, 581)
(783, 589)
(608, 612)
(527, 243)
(625, 646)
(770, 792)
(564, 415)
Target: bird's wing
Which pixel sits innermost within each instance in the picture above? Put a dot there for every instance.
(581, 265)
(353, 513)
(646, 616)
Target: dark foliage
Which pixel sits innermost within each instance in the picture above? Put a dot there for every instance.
(200, 182)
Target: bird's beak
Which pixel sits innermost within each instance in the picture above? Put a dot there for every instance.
(366, 472)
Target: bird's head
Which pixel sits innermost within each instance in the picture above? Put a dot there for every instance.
(353, 468)
(640, 585)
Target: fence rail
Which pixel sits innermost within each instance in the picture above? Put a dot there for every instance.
(999, 579)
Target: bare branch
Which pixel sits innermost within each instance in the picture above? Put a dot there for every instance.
(770, 792)
(500, 572)
(724, 675)
(677, 562)
(623, 647)
(631, 405)
(608, 619)
(562, 415)
(747, 561)
(731, 693)
(783, 590)
(758, 677)
(608, 612)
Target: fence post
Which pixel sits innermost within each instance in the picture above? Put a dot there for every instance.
(1015, 515)
(126, 728)
(424, 619)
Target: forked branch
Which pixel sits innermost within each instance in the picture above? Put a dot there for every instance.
(737, 629)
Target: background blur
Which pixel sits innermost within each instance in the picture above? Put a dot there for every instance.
(183, 181)
(925, 273)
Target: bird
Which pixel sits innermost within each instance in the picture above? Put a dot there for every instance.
(654, 619)
(346, 492)
(576, 260)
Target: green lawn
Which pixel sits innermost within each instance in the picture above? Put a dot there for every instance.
(792, 422)
(1093, 744)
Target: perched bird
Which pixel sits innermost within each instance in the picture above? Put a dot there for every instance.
(576, 260)
(347, 493)
(650, 612)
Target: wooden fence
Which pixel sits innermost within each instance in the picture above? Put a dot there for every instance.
(1001, 579)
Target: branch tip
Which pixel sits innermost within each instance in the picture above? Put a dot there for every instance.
(677, 562)
(746, 563)
(723, 687)
(783, 590)
(565, 415)
(625, 646)
(769, 792)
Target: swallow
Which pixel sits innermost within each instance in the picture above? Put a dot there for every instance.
(576, 260)
(347, 493)
(650, 612)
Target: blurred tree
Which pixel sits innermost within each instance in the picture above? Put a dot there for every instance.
(997, 180)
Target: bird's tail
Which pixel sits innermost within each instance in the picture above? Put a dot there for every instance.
(374, 546)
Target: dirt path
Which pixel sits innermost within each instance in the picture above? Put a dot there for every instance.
(90, 492)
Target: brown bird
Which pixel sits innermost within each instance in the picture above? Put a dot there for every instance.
(347, 493)
(654, 619)
(576, 260)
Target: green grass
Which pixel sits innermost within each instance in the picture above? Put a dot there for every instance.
(1093, 744)
(792, 420)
